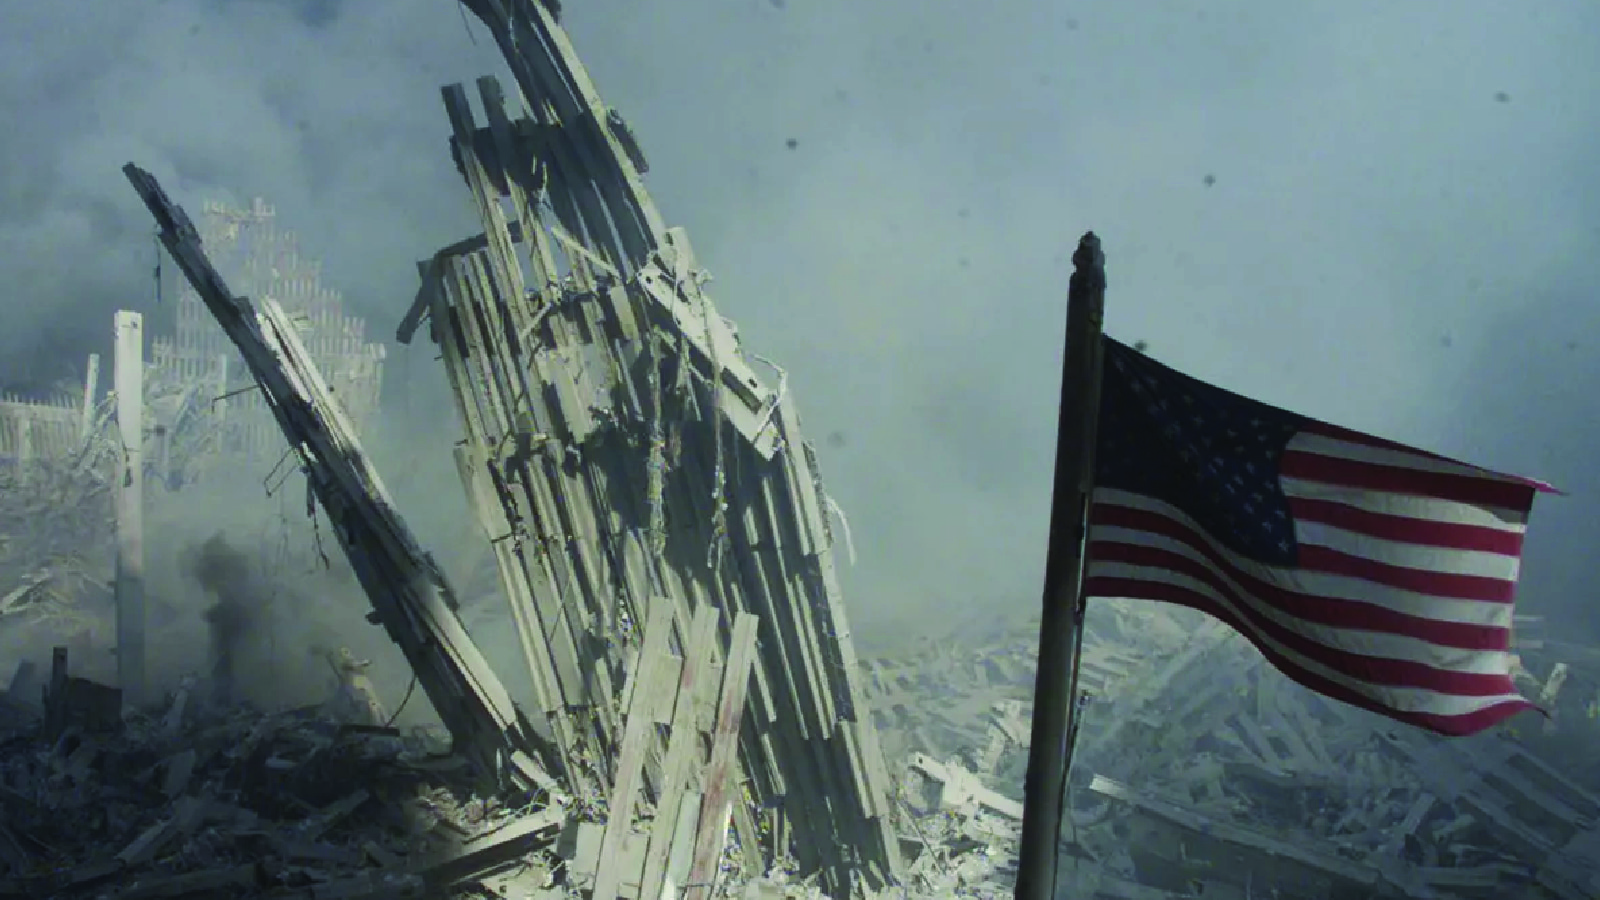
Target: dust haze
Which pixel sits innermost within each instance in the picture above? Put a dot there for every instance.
(1386, 215)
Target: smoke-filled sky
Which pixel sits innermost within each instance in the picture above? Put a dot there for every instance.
(1382, 214)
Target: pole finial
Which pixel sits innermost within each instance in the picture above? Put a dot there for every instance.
(1089, 259)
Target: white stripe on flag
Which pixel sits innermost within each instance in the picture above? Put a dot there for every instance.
(1407, 555)
(1407, 506)
(1361, 641)
(1402, 699)
(1312, 584)
(1324, 445)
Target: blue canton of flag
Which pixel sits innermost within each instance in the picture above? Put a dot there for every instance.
(1208, 452)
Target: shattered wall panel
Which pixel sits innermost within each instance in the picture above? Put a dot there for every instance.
(56, 472)
(34, 429)
(623, 452)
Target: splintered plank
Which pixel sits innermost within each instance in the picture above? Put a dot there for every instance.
(1574, 865)
(492, 519)
(573, 93)
(716, 806)
(744, 825)
(804, 755)
(682, 746)
(696, 490)
(1408, 826)
(1270, 710)
(636, 736)
(1474, 775)
(685, 310)
(809, 516)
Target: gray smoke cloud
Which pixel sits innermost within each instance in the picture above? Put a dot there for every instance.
(1385, 215)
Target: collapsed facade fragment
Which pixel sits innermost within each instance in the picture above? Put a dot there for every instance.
(56, 505)
(630, 465)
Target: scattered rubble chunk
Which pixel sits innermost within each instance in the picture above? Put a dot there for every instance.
(237, 802)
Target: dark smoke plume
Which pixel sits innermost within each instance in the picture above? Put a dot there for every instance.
(237, 602)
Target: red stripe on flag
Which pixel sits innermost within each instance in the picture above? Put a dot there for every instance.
(1427, 532)
(1355, 437)
(1388, 672)
(1324, 429)
(1413, 482)
(1481, 588)
(1319, 559)
(1450, 726)
(1330, 612)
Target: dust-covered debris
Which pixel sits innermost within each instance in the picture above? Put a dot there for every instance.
(1201, 771)
(207, 801)
(56, 530)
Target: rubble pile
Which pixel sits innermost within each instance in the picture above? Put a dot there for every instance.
(1200, 770)
(956, 854)
(956, 711)
(197, 800)
(1225, 759)
(55, 536)
(968, 695)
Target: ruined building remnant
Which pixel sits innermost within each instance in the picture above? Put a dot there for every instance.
(33, 428)
(657, 517)
(201, 409)
(56, 506)
(203, 400)
(632, 464)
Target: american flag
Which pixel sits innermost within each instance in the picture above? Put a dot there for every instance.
(1367, 571)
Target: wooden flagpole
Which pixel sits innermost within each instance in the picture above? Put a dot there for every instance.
(1055, 682)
